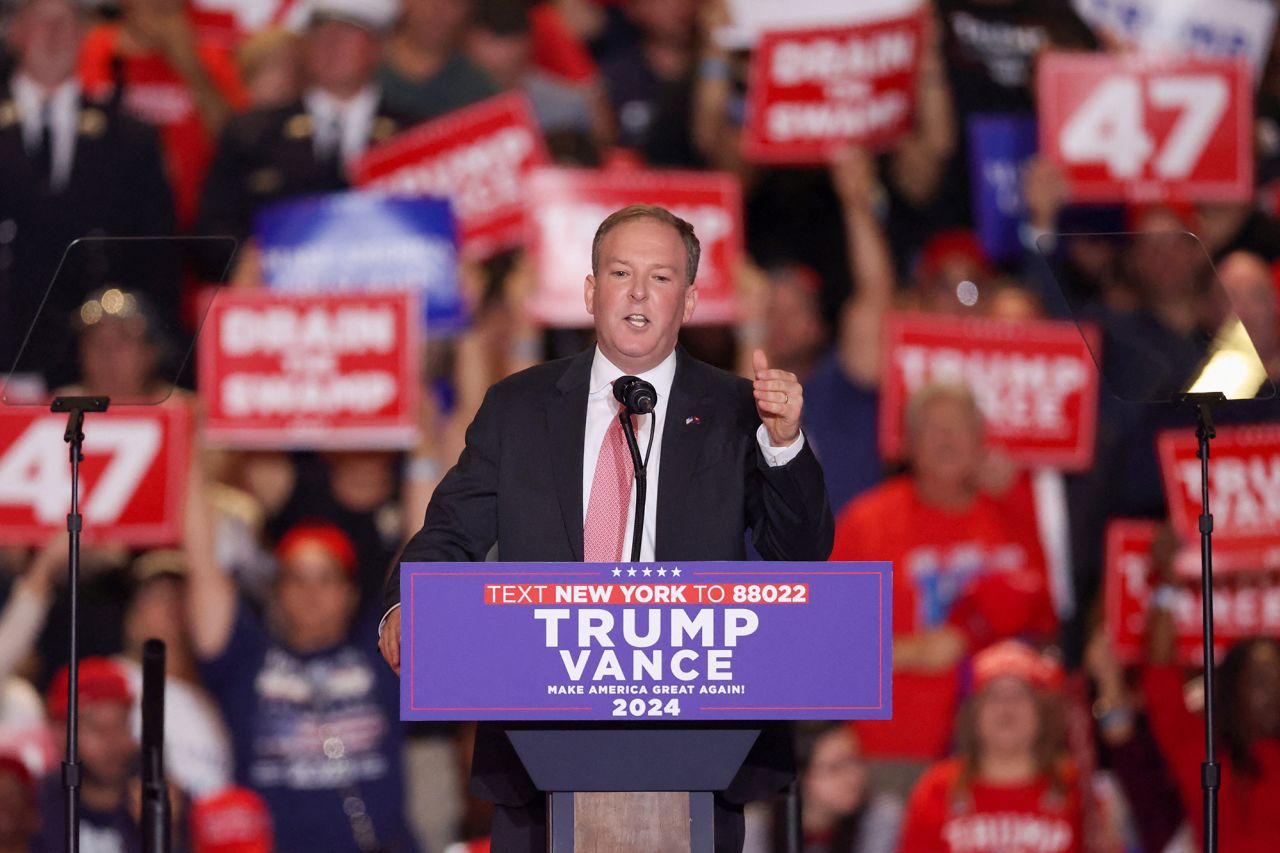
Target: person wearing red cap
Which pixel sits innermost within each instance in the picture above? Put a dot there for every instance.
(107, 753)
(950, 257)
(19, 818)
(234, 820)
(313, 716)
(1010, 788)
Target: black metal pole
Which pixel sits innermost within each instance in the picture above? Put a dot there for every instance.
(75, 409)
(1210, 770)
(155, 791)
(795, 835)
(71, 763)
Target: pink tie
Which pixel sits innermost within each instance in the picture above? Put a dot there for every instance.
(610, 501)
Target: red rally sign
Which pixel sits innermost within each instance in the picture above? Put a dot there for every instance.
(567, 205)
(1035, 382)
(1244, 496)
(317, 371)
(812, 90)
(478, 157)
(132, 479)
(1136, 128)
(1243, 606)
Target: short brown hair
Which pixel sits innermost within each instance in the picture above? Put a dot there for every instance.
(692, 248)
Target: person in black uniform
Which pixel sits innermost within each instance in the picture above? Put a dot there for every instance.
(69, 168)
(268, 155)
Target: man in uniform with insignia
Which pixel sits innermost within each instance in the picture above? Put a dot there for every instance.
(268, 155)
(69, 168)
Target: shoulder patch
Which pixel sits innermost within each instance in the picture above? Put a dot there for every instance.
(264, 181)
(93, 121)
(298, 126)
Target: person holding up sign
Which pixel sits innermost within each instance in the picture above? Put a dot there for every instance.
(1248, 731)
(728, 455)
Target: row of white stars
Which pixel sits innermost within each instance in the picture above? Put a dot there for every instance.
(662, 573)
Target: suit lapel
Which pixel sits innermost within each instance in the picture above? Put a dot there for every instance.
(566, 417)
(682, 442)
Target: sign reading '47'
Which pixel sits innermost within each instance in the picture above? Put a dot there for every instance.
(1134, 128)
(132, 478)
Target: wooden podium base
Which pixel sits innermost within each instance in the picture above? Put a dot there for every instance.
(632, 822)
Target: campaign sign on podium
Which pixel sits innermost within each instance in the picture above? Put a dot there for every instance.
(646, 642)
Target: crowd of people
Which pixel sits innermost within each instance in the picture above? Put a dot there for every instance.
(1016, 727)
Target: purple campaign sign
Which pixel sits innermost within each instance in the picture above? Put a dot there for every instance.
(605, 641)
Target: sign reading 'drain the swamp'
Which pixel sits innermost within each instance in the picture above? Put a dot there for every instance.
(331, 371)
(568, 205)
(478, 157)
(686, 641)
(811, 91)
(132, 479)
(365, 242)
(1036, 383)
(1244, 605)
(1244, 496)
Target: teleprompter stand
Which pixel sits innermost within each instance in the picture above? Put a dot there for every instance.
(1213, 362)
(1210, 771)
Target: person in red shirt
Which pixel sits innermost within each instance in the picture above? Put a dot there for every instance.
(162, 76)
(1248, 734)
(1010, 787)
(968, 569)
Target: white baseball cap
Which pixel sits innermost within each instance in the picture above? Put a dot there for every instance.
(375, 15)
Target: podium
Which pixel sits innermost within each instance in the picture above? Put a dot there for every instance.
(631, 695)
(616, 789)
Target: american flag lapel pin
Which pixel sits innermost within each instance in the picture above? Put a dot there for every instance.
(692, 419)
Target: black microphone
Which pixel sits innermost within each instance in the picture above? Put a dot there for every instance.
(637, 395)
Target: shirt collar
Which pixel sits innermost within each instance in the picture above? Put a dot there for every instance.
(30, 96)
(323, 106)
(604, 372)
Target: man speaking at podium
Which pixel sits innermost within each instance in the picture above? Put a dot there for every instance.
(547, 476)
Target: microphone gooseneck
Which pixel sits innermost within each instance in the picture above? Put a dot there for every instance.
(637, 398)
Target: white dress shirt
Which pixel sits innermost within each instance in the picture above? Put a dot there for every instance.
(63, 104)
(353, 119)
(602, 409)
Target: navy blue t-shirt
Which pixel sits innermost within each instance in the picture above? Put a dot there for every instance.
(316, 735)
(840, 421)
(100, 832)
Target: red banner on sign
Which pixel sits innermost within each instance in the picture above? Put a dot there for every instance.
(132, 480)
(1135, 128)
(567, 205)
(478, 157)
(812, 90)
(1035, 382)
(1242, 606)
(1244, 496)
(317, 371)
